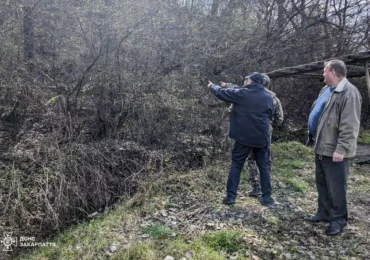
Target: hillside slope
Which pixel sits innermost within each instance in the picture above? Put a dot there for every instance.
(180, 216)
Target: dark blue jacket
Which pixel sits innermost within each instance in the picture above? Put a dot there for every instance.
(250, 118)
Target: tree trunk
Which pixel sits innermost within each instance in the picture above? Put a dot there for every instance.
(281, 19)
(215, 6)
(28, 34)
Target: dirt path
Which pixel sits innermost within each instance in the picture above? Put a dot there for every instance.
(279, 232)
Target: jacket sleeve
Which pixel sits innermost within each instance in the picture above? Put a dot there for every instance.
(349, 122)
(231, 85)
(230, 95)
(278, 112)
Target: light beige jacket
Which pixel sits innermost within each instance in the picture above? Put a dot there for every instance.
(339, 124)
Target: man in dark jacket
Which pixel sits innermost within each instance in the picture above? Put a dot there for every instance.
(249, 127)
(277, 120)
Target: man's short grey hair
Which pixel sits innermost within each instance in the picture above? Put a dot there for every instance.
(338, 66)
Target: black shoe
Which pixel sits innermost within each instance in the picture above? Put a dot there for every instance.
(267, 201)
(334, 229)
(256, 190)
(228, 201)
(317, 218)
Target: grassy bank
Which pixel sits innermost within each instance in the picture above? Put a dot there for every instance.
(181, 216)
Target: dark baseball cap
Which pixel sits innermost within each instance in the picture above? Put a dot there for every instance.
(255, 77)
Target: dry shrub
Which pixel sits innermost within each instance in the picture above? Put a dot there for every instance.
(48, 186)
(63, 161)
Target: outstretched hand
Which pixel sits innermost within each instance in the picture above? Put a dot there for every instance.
(209, 83)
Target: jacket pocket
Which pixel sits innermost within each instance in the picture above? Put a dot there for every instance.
(333, 122)
(329, 132)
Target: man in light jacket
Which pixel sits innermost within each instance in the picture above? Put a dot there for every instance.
(334, 125)
(249, 127)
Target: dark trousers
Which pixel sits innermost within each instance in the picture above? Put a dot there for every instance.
(331, 183)
(254, 175)
(239, 155)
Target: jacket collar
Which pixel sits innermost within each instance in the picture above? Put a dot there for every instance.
(340, 85)
(255, 85)
(339, 88)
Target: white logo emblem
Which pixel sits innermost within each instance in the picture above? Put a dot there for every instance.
(8, 241)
